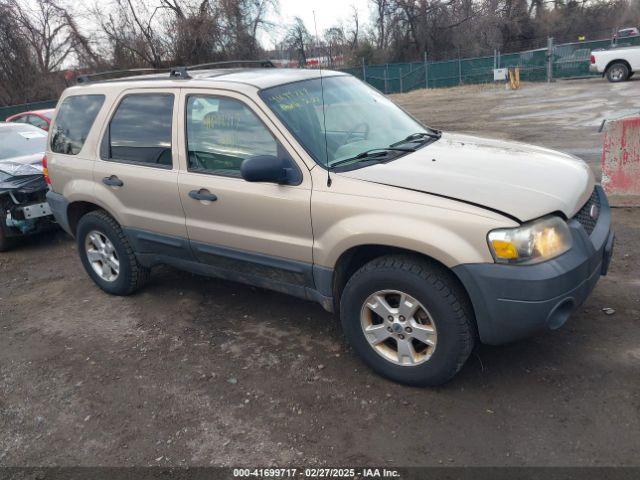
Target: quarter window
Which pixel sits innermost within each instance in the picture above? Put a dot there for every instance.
(73, 123)
(140, 130)
(222, 132)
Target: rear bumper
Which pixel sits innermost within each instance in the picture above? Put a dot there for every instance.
(59, 206)
(593, 68)
(513, 302)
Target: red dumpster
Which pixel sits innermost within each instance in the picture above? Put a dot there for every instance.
(621, 160)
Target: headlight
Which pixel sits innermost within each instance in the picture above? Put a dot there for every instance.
(531, 242)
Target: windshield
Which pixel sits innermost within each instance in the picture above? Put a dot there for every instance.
(358, 118)
(23, 140)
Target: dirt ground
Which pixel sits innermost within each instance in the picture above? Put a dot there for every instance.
(196, 371)
(565, 115)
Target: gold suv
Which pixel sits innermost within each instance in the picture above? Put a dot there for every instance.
(314, 184)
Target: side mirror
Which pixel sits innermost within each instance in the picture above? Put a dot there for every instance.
(265, 168)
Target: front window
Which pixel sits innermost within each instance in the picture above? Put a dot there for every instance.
(358, 119)
(222, 133)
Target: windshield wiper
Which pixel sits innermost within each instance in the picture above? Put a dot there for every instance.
(420, 137)
(372, 153)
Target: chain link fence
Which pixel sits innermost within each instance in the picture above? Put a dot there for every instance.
(568, 60)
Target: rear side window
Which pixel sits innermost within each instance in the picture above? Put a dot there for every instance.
(73, 123)
(140, 130)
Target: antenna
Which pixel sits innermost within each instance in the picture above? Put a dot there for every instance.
(324, 115)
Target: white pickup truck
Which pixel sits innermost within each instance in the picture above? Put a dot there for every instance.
(617, 64)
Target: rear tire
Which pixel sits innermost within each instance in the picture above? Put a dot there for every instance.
(113, 265)
(442, 309)
(618, 72)
(6, 242)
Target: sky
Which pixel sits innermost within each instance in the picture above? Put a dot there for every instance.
(328, 13)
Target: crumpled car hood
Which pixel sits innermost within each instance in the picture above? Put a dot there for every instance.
(23, 177)
(523, 181)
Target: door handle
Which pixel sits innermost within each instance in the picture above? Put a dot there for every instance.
(112, 181)
(203, 194)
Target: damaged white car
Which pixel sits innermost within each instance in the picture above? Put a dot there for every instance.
(23, 206)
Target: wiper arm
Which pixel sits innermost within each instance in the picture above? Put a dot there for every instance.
(419, 137)
(374, 152)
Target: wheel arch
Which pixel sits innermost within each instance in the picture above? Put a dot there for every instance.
(618, 60)
(356, 257)
(78, 209)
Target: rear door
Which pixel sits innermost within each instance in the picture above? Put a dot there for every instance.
(258, 231)
(136, 173)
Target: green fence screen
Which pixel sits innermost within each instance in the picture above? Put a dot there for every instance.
(570, 60)
(6, 112)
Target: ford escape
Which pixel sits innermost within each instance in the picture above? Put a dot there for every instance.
(316, 185)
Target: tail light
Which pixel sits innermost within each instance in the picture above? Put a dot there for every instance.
(593, 59)
(45, 170)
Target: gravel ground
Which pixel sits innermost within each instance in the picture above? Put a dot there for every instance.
(196, 371)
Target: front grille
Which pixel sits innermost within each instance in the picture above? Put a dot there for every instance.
(584, 214)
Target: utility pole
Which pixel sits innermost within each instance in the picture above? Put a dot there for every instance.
(549, 59)
(426, 71)
(459, 68)
(386, 86)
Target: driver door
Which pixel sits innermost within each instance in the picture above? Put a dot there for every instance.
(254, 232)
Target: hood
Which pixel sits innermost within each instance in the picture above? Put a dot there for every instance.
(33, 159)
(523, 181)
(21, 177)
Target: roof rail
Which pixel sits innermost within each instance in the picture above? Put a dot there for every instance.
(174, 72)
(118, 73)
(231, 63)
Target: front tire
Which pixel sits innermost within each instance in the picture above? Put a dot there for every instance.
(408, 319)
(107, 255)
(618, 72)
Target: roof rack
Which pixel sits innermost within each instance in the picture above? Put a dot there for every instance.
(89, 77)
(174, 72)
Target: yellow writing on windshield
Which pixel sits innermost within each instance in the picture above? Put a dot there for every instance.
(294, 99)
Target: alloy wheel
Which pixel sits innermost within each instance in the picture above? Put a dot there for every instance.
(617, 73)
(398, 327)
(102, 256)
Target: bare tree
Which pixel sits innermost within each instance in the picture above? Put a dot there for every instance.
(298, 38)
(354, 31)
(46, 28)
(17, 70)
(336, 43)
(132, 29)
(382, 14)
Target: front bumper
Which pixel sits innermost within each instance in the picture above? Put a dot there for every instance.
(516, 301)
